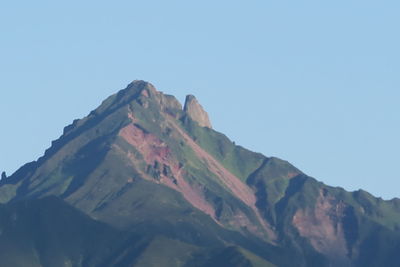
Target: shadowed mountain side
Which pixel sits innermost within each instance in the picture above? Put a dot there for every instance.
(48, 232)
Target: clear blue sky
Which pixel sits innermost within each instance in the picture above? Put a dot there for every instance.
(314, 82)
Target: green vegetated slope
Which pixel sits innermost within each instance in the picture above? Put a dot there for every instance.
(185, 195)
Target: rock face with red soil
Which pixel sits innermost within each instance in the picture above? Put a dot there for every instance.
(183, 194)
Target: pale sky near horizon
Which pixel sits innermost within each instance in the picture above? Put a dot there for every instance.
(313, 82)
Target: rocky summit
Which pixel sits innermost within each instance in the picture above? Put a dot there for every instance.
(141, 181)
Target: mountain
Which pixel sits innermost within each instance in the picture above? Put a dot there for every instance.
(143, 181)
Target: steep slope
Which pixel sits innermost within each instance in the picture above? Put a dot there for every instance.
(148, 167)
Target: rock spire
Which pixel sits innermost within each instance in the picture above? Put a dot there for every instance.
(196, 112)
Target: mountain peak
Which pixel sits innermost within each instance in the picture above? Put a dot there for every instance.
(136, 89)
(144, 90)
(150, 177)
(196, 112)
(142, 86)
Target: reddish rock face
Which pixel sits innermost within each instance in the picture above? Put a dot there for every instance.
(323, 227)
(155, 151)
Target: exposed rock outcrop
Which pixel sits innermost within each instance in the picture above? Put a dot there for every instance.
(196, 112)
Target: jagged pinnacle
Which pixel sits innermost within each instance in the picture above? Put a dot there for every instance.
(196, 112)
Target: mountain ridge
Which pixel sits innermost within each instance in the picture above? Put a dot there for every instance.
(144, 165)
